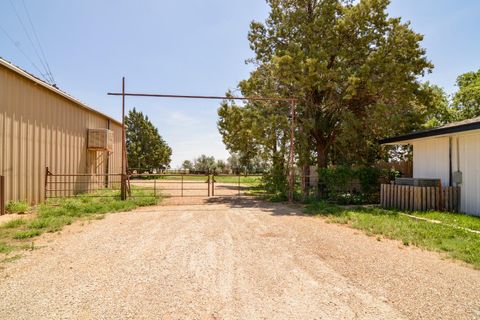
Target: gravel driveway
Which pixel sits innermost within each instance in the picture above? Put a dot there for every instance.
(231, 260)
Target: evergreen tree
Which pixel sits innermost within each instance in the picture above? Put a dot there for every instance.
(145, 147)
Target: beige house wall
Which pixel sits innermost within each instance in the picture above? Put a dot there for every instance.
(43, 127)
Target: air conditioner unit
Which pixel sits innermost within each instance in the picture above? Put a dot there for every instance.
(100, 139)
(417, 182)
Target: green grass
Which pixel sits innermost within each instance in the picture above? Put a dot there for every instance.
(456, 219)
(16, 207)
(4, 248)
(250, 180)
(455, 243)
(26, 234)
(53, 215)
(13, 223)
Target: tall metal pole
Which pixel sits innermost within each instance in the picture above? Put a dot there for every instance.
(291, 159)
(123, 192)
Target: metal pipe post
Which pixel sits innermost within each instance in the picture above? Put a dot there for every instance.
(123, 192)
(2, 195)
(45, 195)
(213, 185)
(155, 187)
(208, 181)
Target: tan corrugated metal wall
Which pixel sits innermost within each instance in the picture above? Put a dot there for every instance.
(39, 128)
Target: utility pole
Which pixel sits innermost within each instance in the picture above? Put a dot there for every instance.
(123, 187)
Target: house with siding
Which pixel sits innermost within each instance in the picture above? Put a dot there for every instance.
(450, 153)
(42, 126)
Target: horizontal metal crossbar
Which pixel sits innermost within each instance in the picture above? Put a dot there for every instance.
(176, 96)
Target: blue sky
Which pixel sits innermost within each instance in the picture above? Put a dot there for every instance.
(193, 47)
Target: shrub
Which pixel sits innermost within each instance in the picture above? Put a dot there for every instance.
(16, 207)
(347, 185)
(275, 182)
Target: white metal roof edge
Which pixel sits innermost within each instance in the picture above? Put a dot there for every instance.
(31, 77)
(455, 134)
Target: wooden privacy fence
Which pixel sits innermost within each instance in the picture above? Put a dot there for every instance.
(2, 195)
(410, 198)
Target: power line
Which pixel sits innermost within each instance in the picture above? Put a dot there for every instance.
(23, 53)
(38, 41)
(31, 42)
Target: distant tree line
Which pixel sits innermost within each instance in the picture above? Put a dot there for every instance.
(233, 165)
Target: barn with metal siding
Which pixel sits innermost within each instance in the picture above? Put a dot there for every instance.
(42, 126)
(450, 153)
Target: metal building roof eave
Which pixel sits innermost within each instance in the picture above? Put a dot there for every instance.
(31, 77)
(452, 128)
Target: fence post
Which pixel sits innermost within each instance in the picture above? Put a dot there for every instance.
(440, 196)
(45, 195)
(155, 187)
(123, 188)
(381, 196)
(2, 195)
(213, 185)
(181, 187)
(208, 181)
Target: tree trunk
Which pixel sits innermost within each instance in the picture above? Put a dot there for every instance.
(321, 163)
(321, 155)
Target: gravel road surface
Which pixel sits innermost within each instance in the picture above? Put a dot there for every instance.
(241, 259)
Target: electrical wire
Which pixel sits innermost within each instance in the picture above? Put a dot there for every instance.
(15, 43)
(38, 41)
(50, 80)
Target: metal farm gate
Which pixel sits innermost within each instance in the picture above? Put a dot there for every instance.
(148, 185)
(193, 185)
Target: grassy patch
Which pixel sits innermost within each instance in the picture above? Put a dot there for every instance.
(53, 215)
(4, 248)
(14, 223)
(17, 207)
(456, 243)
(249, 180)
(456, 219)
(26, 234)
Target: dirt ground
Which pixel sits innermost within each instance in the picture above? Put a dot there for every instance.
(8, 217)
(231, 259)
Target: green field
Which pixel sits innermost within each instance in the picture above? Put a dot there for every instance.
(249, 180)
